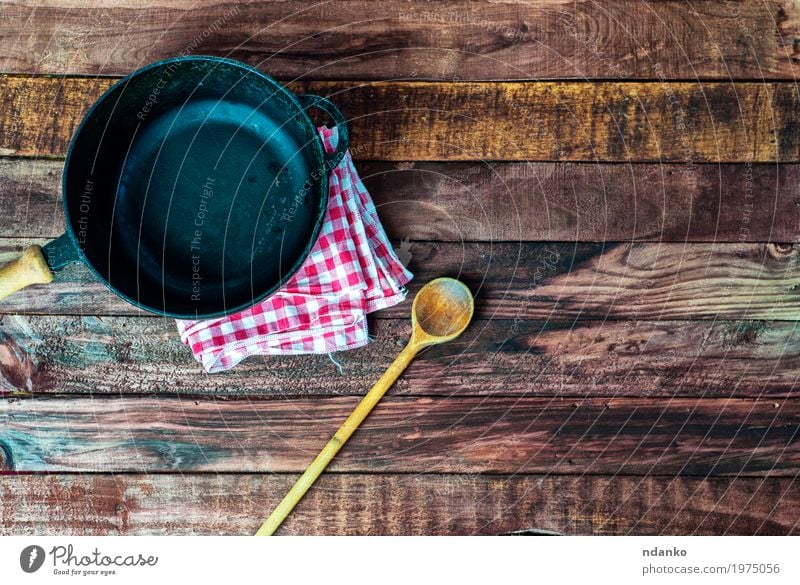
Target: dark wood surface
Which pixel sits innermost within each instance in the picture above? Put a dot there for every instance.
(452, 434)
(614, 359)
(200, 503)
(361, 39)
(617, 182)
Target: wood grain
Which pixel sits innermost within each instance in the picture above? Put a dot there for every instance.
(559, 121)
(515, 201)
(586, 202)
(628, 374)
(736, 437)
(132, 355)
(359, 39)
(546, 281)
(397, 504)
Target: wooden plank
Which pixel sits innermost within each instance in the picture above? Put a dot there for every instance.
(586, 202)
(397, 504)
(30, 197)
(359, 39)
(547, 281)
(131, 355)
(515, 201)
(406, 435)
(561, 121)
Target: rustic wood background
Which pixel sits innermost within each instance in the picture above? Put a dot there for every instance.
(617, 181)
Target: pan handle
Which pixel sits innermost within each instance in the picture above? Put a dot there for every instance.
(332, 159)
(30, 268)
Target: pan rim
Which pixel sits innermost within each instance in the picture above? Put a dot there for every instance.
(318, 149)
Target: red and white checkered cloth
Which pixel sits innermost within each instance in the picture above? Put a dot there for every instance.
(351, 271)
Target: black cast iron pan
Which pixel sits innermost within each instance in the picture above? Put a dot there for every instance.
(194, 188)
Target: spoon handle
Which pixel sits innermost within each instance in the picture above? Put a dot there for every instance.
(338, 440)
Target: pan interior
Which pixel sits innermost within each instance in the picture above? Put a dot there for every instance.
(202, 197)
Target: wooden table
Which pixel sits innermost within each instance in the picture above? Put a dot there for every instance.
(617, 182)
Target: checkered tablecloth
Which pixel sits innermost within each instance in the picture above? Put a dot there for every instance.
(351, 271)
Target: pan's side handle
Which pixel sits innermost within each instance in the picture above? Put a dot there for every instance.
(30, 268)
(314, 101)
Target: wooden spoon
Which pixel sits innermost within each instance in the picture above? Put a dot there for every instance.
(441, 311)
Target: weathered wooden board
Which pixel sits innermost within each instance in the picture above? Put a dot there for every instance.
(618, 362)
(406, 435)
(597, 202)
(360, 39)
(397, 504)
(515, 201)
(547, 281)
(564, 121)
(132, 355)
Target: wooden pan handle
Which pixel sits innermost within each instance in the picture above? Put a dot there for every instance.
(30, 268)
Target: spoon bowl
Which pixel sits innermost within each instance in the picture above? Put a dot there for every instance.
(441, 311)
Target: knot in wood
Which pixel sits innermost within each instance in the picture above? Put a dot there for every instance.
(780, 250)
